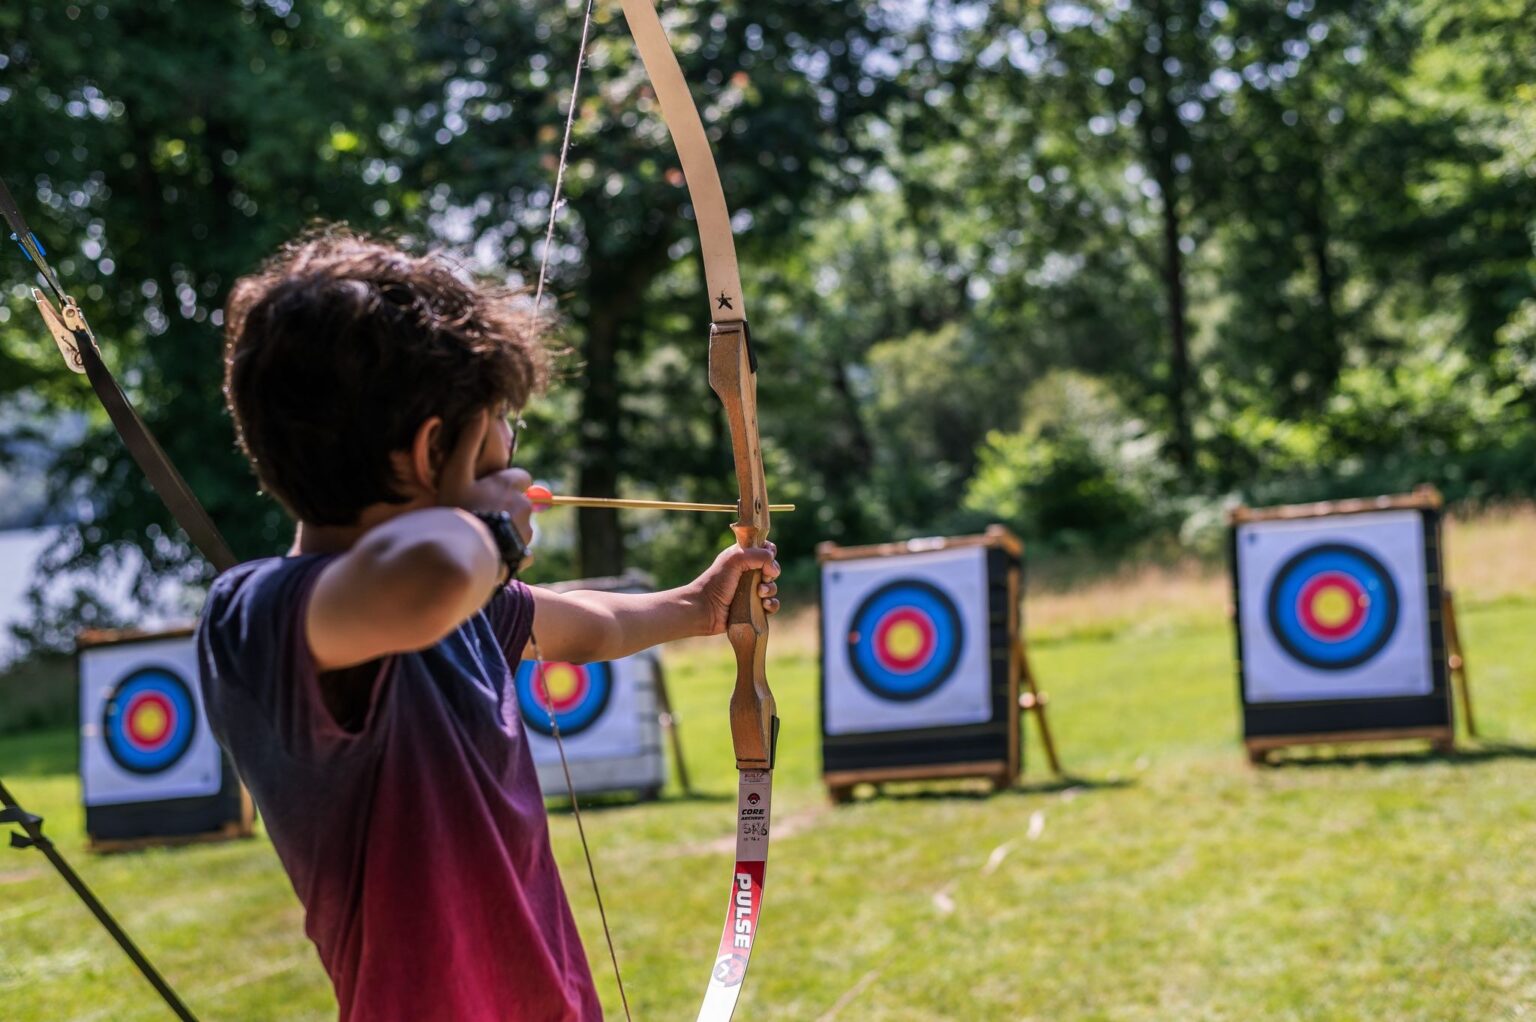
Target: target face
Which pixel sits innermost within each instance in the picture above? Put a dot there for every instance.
(904, 640)
(149, 720)
(1336, 607)
(578, 694)
(1333, 606)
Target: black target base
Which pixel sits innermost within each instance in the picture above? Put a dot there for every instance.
(223, 815)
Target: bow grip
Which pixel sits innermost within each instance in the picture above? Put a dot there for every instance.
(754, 713)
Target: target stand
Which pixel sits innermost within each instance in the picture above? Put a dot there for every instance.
(611, 715)
(923, 669)
(1345, 630)
(150, 770)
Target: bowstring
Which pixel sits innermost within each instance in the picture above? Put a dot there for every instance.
(570, 788)
(555, 199)
(555, 202)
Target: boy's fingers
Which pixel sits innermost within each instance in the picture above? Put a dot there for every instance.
(757, 556)
(459, 470)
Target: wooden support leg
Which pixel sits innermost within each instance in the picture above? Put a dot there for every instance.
(1456, 660)
(669, 722)
(1035, 702)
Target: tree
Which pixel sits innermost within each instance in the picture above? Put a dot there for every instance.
(161, 149)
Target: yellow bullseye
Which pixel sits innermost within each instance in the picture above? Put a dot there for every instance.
(1333, 606)
(903, 640)
(149, 722)
(563, 681)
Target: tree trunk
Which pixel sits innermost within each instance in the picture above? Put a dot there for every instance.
(1160, 155)
(1314, 210)
(1161, 137)
(600, 542)
(1178, 325)
(614, 290)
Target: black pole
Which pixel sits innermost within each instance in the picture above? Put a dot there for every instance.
(34, 838)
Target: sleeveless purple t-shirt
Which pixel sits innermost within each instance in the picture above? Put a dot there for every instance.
(418, 844)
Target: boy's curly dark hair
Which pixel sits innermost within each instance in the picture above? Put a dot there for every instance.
(341, 346)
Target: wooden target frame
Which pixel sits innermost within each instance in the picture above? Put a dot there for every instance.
(1272, 726)
(991, 751)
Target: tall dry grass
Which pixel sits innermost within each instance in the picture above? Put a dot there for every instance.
(1489, 556)
(1492, 556)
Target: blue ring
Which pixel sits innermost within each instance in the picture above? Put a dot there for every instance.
(162, 681)
(948, 640)
(1318, 651)
(579, 717)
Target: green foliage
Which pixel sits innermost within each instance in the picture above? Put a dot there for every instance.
(38, 693)
(1291, 243)
(159, 150)
(1078, 475)
(1430, 417)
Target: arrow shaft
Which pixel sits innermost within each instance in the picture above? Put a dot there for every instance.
(653, 505)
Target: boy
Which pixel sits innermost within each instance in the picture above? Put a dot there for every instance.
(363, 683)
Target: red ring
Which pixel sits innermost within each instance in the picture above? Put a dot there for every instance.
(577, 696)
(149, 743)
(1359, 601)
(904, 664)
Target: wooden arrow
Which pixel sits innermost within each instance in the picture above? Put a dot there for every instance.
(542, 498)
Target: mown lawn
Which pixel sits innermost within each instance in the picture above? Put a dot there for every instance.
(1169, 880)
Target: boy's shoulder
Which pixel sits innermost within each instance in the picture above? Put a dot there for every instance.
(264, 576)
(253, 595)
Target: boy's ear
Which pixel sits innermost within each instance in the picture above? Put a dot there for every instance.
(427, 455)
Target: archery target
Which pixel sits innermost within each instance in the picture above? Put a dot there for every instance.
(149, 720)
(606, 710)
(1334, 607)
(905, 641)
(143, 733)
(574, 695)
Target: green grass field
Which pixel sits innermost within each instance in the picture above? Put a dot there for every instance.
(1169, 880)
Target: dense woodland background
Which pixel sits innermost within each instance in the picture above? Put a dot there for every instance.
(1092, 269)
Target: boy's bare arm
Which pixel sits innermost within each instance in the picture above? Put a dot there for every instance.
(402, 587)
(584, 626)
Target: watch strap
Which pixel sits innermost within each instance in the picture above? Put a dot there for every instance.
(509, 541)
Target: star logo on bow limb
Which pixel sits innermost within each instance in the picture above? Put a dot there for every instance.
(724, 301)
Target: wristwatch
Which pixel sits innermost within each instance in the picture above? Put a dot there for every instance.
(509, 541)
